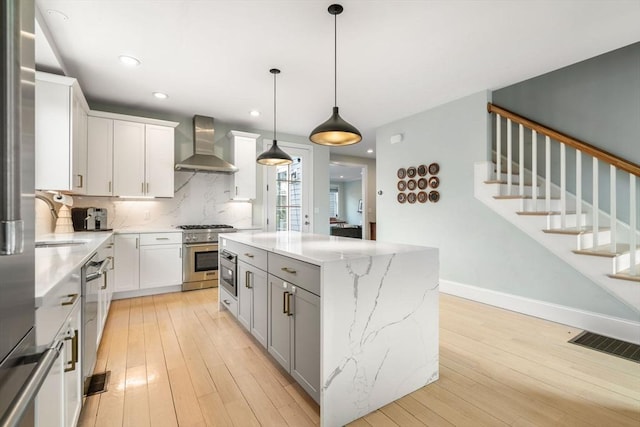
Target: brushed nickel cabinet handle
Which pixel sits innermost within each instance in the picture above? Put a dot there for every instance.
(147, 188)
(73, 297)
(137, 242)
(142, 189)
(104, 281)
(109, 187)
(81, 181)
(226, 301)
(248, 255)
(246, 280)
(288, 270)
(162, 238)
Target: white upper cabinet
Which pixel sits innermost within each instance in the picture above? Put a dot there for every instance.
(100, 158)
(243, 156)
(61, 134)
(130, 156)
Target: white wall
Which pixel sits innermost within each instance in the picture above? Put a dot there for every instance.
(477, 247)
(352, 195)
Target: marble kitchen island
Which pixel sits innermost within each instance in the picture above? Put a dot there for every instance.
(378, 315)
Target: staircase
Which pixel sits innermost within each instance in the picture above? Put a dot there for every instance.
(599, 244)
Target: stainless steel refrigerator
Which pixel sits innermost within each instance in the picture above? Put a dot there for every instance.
(22, 366)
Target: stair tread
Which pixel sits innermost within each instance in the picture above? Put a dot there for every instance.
(543, 213)
(626, 275)
(605, 250)
(573, 230)
(515, 196)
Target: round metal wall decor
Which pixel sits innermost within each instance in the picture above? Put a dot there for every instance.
(424, 179)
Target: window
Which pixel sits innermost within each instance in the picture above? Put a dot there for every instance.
(333, 202)
(289, 196)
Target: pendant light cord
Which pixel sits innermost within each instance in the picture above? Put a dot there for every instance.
(274, 107)
(335, 60)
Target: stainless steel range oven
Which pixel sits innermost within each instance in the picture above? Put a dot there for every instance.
(200, 255)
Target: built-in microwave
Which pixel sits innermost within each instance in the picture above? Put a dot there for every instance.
(228, 272)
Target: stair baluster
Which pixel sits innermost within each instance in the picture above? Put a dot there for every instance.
(521, 161)
(509, 157)
(613, 214)
(633, 261)
(578, 189)
(498, 147)
(534, 169)
(547, 173)
(563, 186)
(595, 202)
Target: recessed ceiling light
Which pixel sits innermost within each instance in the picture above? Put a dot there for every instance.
(254, 113)
(341, 176)
(57, 14)
(370, 150)
(129, 60)
(160, 95)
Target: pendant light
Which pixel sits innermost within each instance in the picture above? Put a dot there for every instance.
(335, 131)
(274, 156)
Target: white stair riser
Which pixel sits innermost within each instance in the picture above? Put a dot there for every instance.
(515, 190)
(555, 221)
(623, 262)
(586, 241)
(541, 205)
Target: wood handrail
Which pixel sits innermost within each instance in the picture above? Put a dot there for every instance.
(589, 149)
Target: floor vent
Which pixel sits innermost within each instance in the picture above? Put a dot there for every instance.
(608, 345)
(98, 383)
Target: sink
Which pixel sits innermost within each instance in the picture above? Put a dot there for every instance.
(59, 243)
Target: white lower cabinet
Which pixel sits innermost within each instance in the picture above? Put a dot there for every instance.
(252, 300)
(59, 400)
(146, 261)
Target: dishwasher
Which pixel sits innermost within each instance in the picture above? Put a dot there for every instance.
(93, 277)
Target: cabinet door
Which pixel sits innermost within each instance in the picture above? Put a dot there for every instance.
(243, 154)
(99, 156)
(259, 307)
(279, 324)
(52, 138)
(50, 404)
(305, 349)
(160, 265)
(245, 295)
(78, 143)
(159, 162)
(128, 158)
(127, 264)
(72, 372)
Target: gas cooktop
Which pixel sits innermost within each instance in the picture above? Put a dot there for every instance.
(204, 226)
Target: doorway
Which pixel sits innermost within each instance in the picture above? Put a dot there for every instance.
(289, 192)
(347, 200)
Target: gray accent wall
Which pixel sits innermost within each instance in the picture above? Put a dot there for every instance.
(596, 101)
(477, 246)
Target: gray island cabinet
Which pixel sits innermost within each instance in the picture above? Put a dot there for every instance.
(354, 322)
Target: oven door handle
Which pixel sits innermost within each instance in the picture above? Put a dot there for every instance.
(214, 246)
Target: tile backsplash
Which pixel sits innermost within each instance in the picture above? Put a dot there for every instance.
(200, 198)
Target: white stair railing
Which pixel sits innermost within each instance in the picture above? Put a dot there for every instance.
(615, 164)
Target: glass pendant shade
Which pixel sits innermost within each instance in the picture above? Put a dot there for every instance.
(335, 131)
(274, 156)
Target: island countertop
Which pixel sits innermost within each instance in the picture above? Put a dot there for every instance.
(318, 249)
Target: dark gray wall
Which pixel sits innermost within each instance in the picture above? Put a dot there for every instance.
(597, 101)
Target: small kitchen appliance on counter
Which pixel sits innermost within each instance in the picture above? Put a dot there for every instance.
(89, 219)
(200, 255)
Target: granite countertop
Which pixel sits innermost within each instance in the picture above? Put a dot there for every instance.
(319, 248)
(55, 263)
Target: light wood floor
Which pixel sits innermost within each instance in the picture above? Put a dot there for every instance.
(176, 360)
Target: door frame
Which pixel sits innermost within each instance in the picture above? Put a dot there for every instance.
(365, 202)
(266, 144)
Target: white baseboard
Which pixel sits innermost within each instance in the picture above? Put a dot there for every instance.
(622, 329)
(147, 292)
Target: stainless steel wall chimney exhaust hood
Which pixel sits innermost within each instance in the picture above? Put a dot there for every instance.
(203, 159)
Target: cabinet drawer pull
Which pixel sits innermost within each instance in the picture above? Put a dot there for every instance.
(289, 312)
(147, 188)
(162, 238)
(73, 297)
(288, 270)
(81, 181)
(104, 281)
(247, 279)
(109, 187)
(74, 352)
(226, 301)
(248, 255)
(142, 190)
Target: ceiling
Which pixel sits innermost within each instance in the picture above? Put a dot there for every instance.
(342, 173)
(395, 58)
